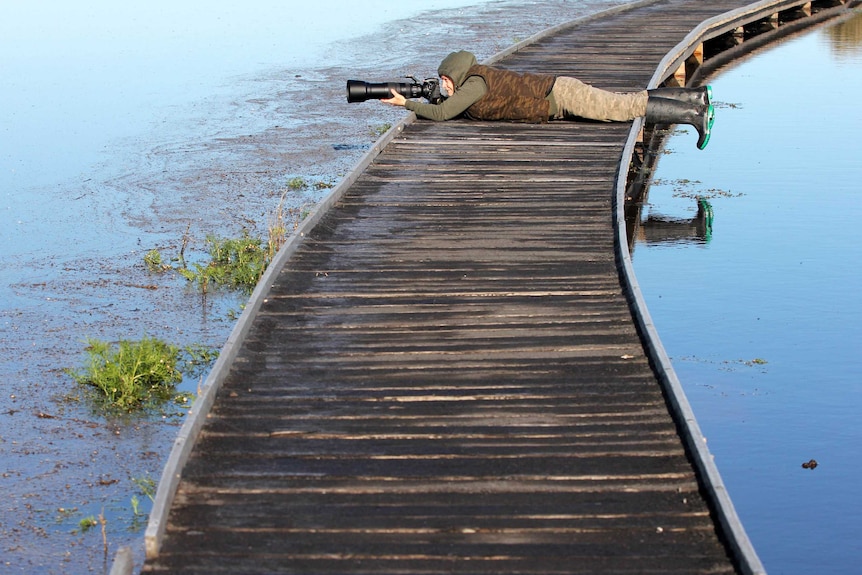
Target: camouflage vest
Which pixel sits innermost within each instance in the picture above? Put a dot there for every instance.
(512, 96)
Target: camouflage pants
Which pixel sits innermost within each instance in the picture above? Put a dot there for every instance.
(574, 98)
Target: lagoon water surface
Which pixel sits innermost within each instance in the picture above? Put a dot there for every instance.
(763, 319)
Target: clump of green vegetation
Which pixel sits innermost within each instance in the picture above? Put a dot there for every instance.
(299, 183)
(236, 263)
(153, 259)
(277, 227)
(146, 485)
(87, 523)
(131, 375)
(136, 375)
(296, 184)
(196, 358)
(381, 129)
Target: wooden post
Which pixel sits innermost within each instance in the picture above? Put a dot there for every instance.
(677, 80)
(762, 26)
(738, 35)
(686, 69)
(693, 62)
(795, 13)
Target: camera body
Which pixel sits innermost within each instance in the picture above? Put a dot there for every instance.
(359, 91)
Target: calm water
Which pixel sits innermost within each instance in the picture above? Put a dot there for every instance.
(763, 319)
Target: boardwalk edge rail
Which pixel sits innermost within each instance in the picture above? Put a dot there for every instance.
(187, 436)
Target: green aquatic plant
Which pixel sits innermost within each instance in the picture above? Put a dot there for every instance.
(381, 129)
(130, 375)
(296, 184)
(135, 375)
(87, 523)
(235, 263)
(153, 260)
(278, 231)
(197, 357)
(146, 486)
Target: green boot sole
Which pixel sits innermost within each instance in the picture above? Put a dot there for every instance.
(707, 133)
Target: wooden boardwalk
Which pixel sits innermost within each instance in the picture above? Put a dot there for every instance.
(444, 374)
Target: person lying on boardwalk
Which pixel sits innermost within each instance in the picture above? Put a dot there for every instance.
(486, 93)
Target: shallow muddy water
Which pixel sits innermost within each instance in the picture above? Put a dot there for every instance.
(762, 318)
(124, 128)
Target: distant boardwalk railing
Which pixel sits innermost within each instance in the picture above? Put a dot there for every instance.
(440, 369)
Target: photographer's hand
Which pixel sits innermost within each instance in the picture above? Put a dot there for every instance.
(396, 99)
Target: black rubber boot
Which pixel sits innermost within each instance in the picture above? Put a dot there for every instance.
(667, 111)
(701, 95)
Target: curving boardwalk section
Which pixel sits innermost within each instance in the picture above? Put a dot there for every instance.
(443, 375)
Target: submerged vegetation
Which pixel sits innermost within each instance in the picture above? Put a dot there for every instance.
(684, 188)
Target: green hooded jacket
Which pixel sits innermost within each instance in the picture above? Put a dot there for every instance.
(486, 93)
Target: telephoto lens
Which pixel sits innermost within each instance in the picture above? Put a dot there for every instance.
(359, 91)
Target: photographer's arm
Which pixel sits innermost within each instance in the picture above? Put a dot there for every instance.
(453, 106)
